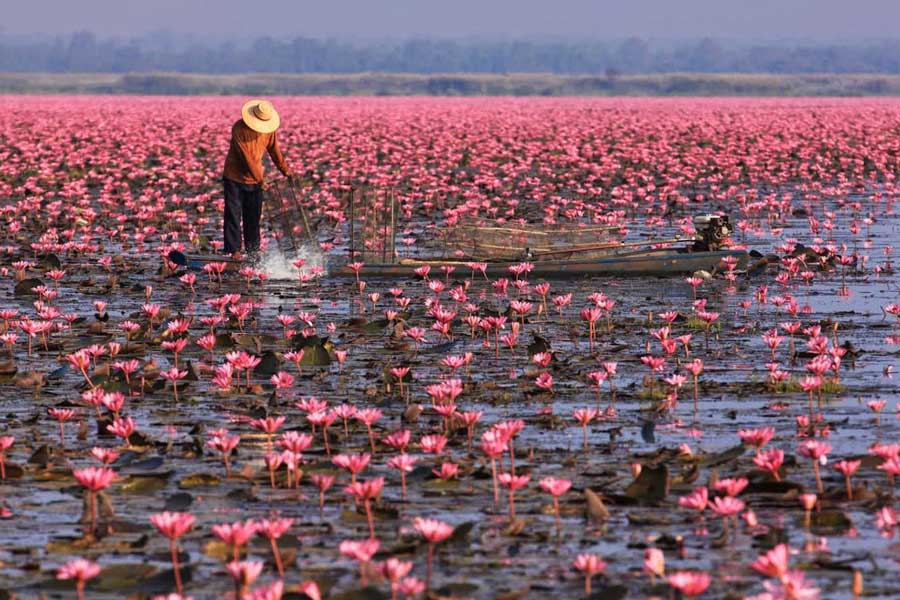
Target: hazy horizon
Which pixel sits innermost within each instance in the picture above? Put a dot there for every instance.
(822, 21)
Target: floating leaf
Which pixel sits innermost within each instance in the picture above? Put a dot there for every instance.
(726, 456)
(366, 593)
(13, 471)
(461, 532)
(610, 592)
(316, 356)
(49, 261)
(68, 546)
(375, 326)
(8, 368)
(248, 342)
(268, 365)
(40, 457)
(651, 486)
(458, 590)
(24, 287)
(147, 465)
(218, 550)
(199, 480)
(646, 519)
(515, 527)
(224, 341)
(178, 502)
(773, 487)
(538, 345)
(830, 522)
(595, 510)
(144, 484)
(121, 577)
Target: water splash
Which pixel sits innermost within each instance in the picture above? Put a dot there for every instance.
(278, 265)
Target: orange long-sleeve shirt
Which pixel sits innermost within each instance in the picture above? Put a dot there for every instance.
(245, 153)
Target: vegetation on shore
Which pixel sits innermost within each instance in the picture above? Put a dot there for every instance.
(453, 84)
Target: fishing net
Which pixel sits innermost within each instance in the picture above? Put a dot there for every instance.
(484, 241)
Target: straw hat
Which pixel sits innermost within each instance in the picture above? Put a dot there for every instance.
(260, 116)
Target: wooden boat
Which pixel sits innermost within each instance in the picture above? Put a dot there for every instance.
(637, 263)
(560, 255)
(644, 262)
(561, 252)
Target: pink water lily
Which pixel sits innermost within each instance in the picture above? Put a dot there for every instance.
(437, 371)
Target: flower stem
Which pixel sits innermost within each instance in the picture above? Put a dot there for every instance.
(428, 571)
(277, 555)
(173, 550)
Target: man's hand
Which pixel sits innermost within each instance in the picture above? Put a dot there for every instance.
(264, 185)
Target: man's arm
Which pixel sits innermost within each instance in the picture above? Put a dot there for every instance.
(277, 157)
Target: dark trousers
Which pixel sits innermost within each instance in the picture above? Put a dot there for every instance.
(243, 201)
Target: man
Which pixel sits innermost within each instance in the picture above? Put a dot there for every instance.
(251, 137)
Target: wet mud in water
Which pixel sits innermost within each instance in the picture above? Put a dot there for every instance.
(612, 407)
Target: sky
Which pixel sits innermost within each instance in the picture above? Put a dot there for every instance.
(768, 20)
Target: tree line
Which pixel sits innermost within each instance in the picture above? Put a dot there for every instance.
(86, 52)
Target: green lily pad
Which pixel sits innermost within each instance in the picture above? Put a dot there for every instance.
(458, 590)
(268, 364)
(726, 456)
(830, 522)
(224, 341)
(144, 484)
(40, 457)
(461, 532)
(316, 356)
(24, 287)
(651, 486)
(121, 577)
(594, 507)
(366, 593)
(199, 480)
(375, 326)
(13, 471)
(179, 501)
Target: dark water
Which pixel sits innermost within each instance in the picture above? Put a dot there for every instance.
(487, 562)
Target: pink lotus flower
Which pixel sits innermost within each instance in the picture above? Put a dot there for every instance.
(236, 534)
(395, 570)
(272, 591)
(173, 525)
(730, 486)
(654, 562)
(696, 500)
(433, 444)
(726, 506)
(94, 478)
(689, 583)
(773, 563)
(244, 574)
(123, 428)
(544, 381)
(434, 532)
(756, 437)
(770, 460)
(362, 552)
(311, 589)
(81, 571)
(590, 565)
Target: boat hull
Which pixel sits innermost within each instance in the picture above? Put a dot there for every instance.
(639, 264)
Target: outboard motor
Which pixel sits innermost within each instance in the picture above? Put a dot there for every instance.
(712, 230)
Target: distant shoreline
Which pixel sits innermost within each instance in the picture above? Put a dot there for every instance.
(452, 84)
